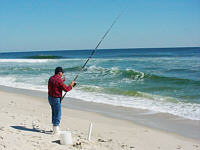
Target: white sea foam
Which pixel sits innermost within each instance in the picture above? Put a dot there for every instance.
(12, 82)
(39, 60)
(156, 103)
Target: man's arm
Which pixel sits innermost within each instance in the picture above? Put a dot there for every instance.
(67, 88)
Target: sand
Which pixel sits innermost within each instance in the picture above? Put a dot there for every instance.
(26, 124)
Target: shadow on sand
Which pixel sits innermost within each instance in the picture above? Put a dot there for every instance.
(57, 141)
(31, 130)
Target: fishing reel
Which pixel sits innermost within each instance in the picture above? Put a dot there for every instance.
(74, 84)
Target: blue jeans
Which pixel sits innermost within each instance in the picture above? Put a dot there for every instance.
(56, 110)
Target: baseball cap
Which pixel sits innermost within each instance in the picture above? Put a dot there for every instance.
(59, 69)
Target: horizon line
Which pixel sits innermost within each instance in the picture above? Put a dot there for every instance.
(99, 49)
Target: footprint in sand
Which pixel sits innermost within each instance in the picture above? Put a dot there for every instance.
(132, 147)
(11, 103)
(77, 145)
(13, 117)
(178, 147)
(35, 124)
(2, 145)
(101, 140)
(195, 145)
(1, 128)
(124, 146)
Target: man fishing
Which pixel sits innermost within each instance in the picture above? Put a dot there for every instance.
(55, 87)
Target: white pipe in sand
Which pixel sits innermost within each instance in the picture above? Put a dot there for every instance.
(90, 132)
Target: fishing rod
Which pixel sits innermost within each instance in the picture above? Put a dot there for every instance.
(92, 53)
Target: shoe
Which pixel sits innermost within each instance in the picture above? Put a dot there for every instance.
(56, 130)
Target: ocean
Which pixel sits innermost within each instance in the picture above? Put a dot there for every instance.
(164, 80)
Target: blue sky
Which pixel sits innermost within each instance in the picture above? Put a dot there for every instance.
(27, 25)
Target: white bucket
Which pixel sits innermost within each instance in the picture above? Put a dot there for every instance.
(65, 138)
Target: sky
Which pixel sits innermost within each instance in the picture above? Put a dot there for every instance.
(32, 25)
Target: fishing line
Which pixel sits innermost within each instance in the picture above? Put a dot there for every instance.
(92, 53)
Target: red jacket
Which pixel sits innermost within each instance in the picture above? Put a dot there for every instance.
(56, 86)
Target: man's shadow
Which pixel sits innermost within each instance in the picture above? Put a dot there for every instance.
(31, 130)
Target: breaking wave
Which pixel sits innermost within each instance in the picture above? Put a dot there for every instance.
(136, 75)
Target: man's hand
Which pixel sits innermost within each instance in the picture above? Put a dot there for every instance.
(73, 83)
(63, 79)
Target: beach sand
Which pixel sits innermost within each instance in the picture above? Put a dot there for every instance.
(26, 122)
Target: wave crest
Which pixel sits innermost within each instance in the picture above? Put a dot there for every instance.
(135, 75)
